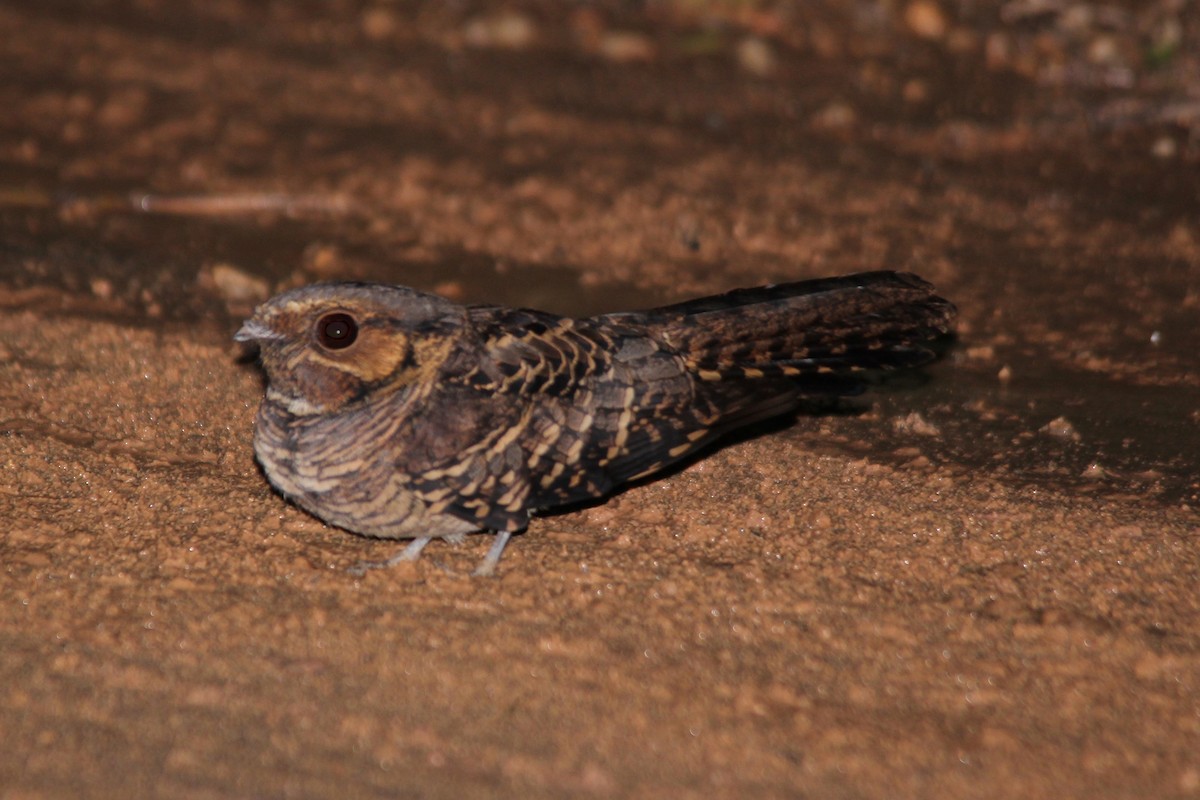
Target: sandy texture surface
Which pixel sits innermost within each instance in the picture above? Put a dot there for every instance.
(984, 581)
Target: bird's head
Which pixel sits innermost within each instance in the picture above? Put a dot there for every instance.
(330, 345)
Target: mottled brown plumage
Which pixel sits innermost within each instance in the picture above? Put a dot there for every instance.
(399, 414)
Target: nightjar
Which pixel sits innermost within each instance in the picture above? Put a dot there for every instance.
(395, 413)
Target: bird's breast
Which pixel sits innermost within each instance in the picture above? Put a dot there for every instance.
(348, 480)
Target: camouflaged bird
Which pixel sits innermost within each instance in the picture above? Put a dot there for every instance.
(398, 414)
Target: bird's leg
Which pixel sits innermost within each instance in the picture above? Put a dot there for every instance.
(410, 553)
(487, 567)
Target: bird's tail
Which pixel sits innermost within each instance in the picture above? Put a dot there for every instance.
(754, 354)
(830, 326)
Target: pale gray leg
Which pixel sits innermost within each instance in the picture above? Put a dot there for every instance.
(487, 567)
(410, 553)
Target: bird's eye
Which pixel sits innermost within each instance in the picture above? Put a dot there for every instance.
(336, 331)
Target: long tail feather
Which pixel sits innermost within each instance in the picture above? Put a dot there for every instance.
(873, 320)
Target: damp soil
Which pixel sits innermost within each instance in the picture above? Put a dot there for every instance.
(982, 579)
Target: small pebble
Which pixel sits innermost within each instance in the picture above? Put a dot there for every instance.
(510, 31)
(379, 23)
(1164, 147)
(916, 424)
(626, 47)
(102, 288)
(835, 116)
(1103, 50)
(925, 19)
(915, 91)
(983, 352)
(322, 260)
(756, 56)
(1060, 428)
(234, 285)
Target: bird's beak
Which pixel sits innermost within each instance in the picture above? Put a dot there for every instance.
(254, 331)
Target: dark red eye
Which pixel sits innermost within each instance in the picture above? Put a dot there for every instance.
(337, 330)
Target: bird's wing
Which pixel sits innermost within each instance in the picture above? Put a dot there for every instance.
(494, 414)
(601, 402)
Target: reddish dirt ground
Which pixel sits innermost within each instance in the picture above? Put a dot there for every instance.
(980, 581)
